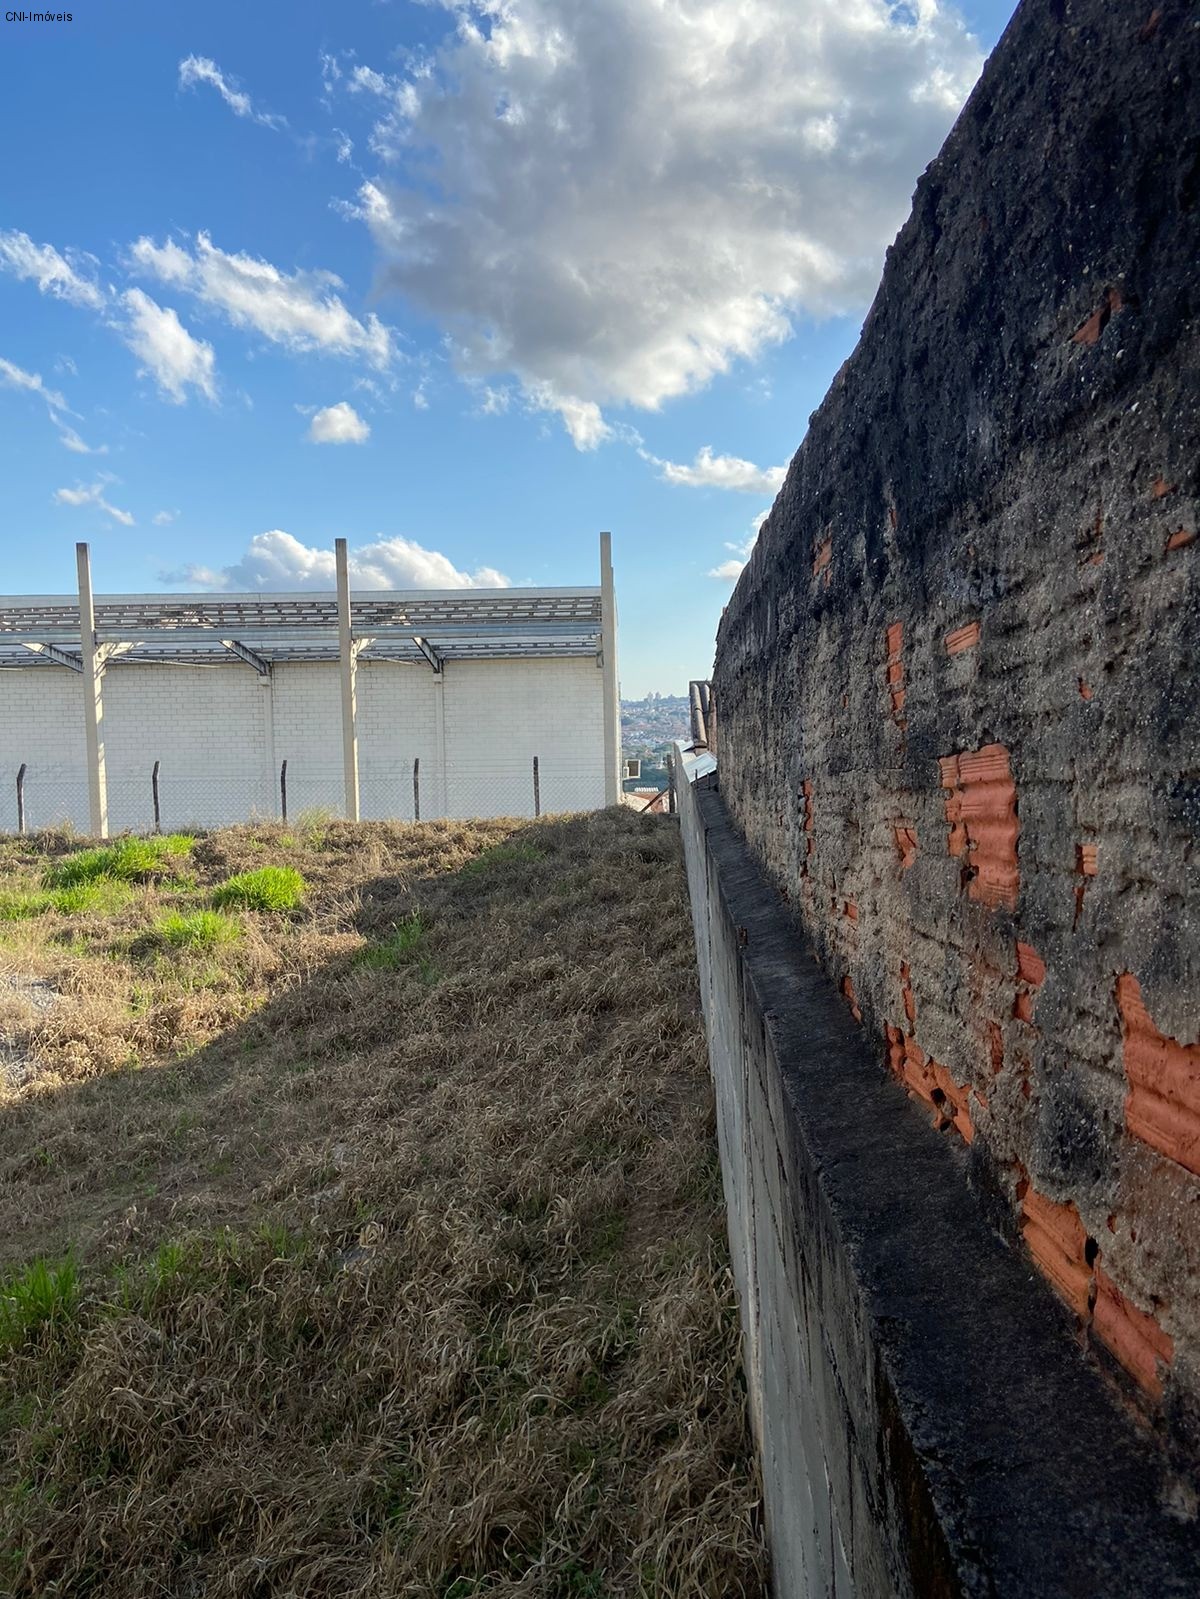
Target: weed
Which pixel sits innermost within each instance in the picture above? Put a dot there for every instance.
(102, 894)
(270, 888)
(197, 929)
(132, 860)
(503, 855)
(401, 946)
(313, 825)
(20, 906)
(42, 1294)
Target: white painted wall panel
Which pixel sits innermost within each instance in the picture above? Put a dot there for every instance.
(221, 732)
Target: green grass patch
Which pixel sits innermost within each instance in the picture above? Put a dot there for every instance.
(19, 907)
(197, 929)
(40, 1295)
(270, 888)
(503, 855)
(99, 894)
(104, 894)
(402, 946)
(130, 860)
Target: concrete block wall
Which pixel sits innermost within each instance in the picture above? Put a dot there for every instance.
(41, 725)
(222, 732)
(957, 687)
(496, 724)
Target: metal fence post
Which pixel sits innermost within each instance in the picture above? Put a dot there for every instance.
(537, 789)
(283, 790)
(21, 798)
(417, 789)
(154, 791)
(672, 797)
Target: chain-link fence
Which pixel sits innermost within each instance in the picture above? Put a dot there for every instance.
(160, 797)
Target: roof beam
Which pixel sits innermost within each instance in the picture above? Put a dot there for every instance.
(109, 652)
(59, 657)
(428, 651)
(251, 658)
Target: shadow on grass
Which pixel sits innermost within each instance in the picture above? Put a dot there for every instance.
(412, 1281)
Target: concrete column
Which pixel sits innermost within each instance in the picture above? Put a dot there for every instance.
(608, 663)
(93, 699)
(271, 791)
(439, 735)
(349, 706)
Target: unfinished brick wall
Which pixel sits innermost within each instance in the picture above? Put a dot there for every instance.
(958, 699)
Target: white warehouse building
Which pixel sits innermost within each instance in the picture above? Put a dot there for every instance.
(123, 712)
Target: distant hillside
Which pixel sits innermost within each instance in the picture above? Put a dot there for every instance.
(648, 726)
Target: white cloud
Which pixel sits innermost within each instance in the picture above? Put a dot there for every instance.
(495, 402)
(200, 69)
(164, 518)
(720, 472)
(729, 571)
(93, 494)
(367, 80)
(581, 418)
(338, 424)
(167, 350)
(53, 273)
(70, 440)
(277, 561)
(617, 201)
(153, 332)
(299, 311)
(16, 377)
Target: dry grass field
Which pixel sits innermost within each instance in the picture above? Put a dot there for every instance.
(360, 1220)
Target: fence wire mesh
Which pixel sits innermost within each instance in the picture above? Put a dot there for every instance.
(35, 797)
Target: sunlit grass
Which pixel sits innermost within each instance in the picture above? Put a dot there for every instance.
(270, 888)
(38, 1295)
(129, 860)
(197, 929)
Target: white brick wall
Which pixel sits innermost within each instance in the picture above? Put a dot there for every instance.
(221, 733)
(500, 714)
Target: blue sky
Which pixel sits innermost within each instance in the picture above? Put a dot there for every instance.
(462, 283)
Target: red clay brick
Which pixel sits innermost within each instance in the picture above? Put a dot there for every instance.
(1090, 331)
(1031, 968)
(1057, 1240)
(962, 638)
(981, 807)
(906, 843)
(996, 1046)
(1162, 1107)
(849, 995)
(1132, 1335)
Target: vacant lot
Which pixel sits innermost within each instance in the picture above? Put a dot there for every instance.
(360, 1226)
